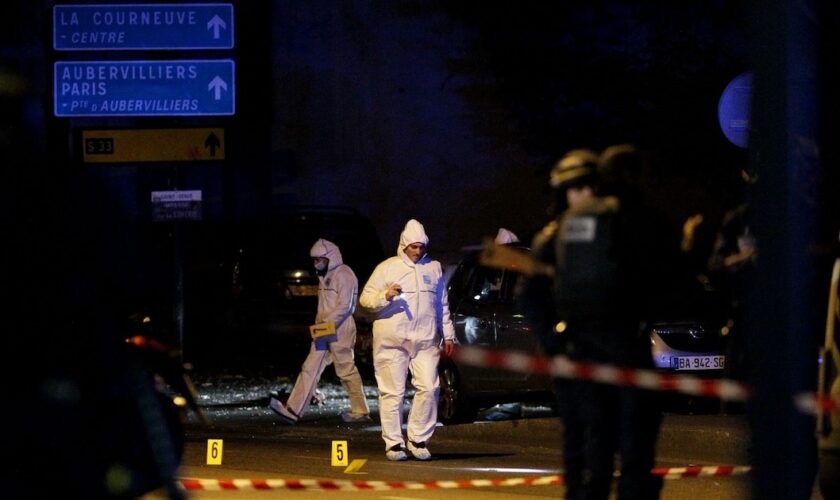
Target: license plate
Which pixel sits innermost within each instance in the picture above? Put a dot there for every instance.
(698, 362)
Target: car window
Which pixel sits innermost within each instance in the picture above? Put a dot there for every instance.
(458, 281)
(510, 284)
(485, 285)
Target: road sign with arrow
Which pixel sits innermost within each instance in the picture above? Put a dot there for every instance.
(144, 88)
(143, 26)
(142, 145)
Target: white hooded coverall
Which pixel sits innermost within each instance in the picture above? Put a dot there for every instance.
(405, 337)
(337, 292)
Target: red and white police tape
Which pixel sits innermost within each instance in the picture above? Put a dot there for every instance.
(347, 485)
(812, 403)
(701, 471)
(563, 367)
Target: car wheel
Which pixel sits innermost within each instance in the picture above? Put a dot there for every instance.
(454, 405)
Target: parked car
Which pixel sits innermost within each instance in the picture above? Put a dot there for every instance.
(273, 287)
(242, 293)
(695, 341)
(482, 305)
(694, 338)
(485, 314)
(687, 346)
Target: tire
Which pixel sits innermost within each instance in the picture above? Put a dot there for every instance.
(454, 405)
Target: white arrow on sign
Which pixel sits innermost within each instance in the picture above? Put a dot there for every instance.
(216, 23)
(218, 85)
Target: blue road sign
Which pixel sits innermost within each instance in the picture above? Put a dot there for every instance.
(143, 26)
(734, 109)
(144, 88)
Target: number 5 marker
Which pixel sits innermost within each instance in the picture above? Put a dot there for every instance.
(339, 453)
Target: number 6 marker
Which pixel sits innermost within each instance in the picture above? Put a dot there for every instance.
(214, 452)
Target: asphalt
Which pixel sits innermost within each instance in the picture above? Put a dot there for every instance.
(712, 439)
(710, 436)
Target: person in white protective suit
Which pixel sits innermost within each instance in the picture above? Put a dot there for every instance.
(337, 293)
(408, 294)
(505, 236)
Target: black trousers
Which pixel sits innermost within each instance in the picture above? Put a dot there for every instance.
(600, 422)
(603, 421)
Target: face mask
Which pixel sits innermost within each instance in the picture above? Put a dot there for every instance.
(320, 266)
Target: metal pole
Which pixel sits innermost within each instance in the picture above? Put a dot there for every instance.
(783, 332)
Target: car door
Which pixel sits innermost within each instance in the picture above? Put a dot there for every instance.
(475, 302)
(514, 334)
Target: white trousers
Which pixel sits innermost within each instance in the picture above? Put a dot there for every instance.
(392, 362)
(340, 354)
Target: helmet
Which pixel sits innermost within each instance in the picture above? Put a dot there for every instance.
(578, 166)
(620, 168)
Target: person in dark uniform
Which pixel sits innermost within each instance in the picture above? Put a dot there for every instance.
(616, 268)
(573, 181)
(651, 277)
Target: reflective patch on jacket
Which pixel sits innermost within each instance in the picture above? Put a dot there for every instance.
(587, 282)
(580, 229)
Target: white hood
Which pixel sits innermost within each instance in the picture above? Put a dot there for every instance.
(413, 233)
(505, 236)
(328, 249)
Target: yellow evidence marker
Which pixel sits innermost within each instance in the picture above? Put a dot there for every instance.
(355, 466)
(214, 452)
(339, 453)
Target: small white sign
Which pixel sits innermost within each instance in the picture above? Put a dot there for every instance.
(176, 205)
(175, 196)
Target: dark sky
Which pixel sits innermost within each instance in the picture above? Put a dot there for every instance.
(448, 112)
(454, 112)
